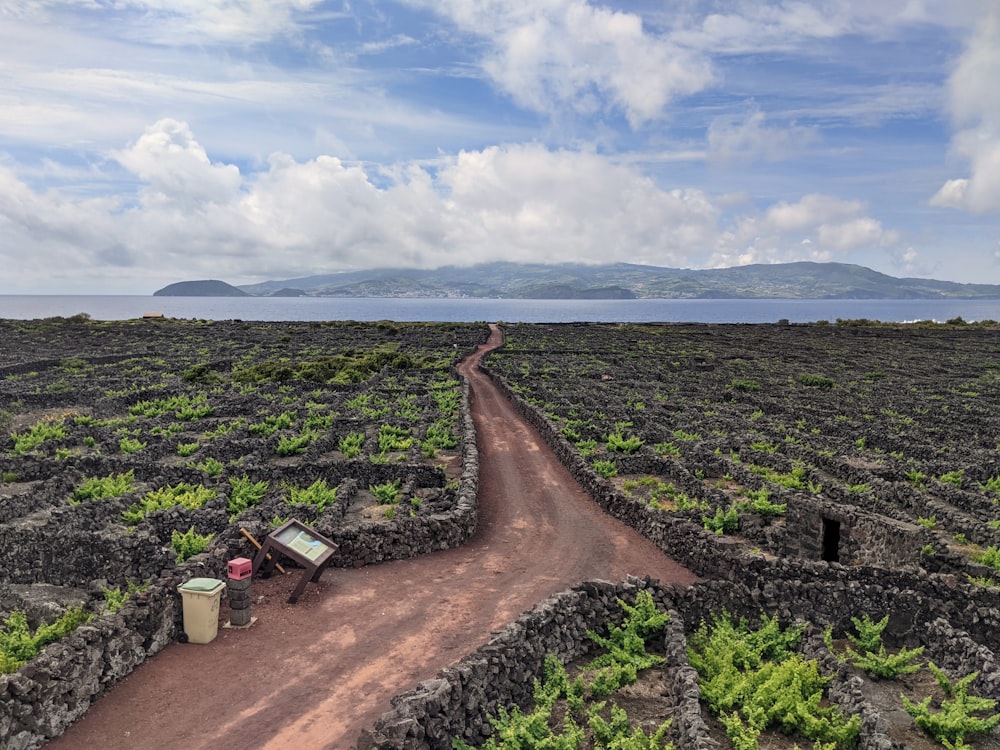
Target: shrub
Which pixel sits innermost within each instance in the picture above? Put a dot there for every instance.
(351, 444)
(211, 466)
(189, 544)
(811, 380)
(956, 718)
(129, 445)
(244, 494)
(101, 488)
(872, 656)
(723, 522)
(18, 645)
(606, 469)
(753, 680)
(293, 445)
(387, 492)
(318, 494)
(183, 494)
(616, 442)
(27, 441)
(186, 449)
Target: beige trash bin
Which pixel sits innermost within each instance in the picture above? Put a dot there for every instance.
(200, 600)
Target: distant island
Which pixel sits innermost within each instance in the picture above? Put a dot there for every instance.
(206, 288)
(801, 280)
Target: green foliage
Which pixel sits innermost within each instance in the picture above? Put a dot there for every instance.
(185, 495)
(337, 368)
(439, 436)
(990, 557)
(116, 597)
(869, 634)
(743, 385)
(183, 407)
(991, 485)
(753, 680)
(186, 449)
(811, 380)
(293, 445)
(27, 441)
(101, 488)
(956, 717)
(211, 466)
(387, 492)
(351, 444)
(723, 522)
(667, 449)
(545, 727)
(201, 373)
(616, 442)
(244, 494)
(686, 436)
(391, 438)
(128, 445)
(927, 523)
(189, 544)
(759, 502)
(604, 468)
(18, 645)
(797, 479)
(272, 423)
(871, 655)
(318, 494)
(953, 477)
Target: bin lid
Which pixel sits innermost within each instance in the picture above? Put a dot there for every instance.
(201, 584)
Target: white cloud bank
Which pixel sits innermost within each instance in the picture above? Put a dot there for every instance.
(191, 217)
(817, 227)
(568, 53)
(975, 109)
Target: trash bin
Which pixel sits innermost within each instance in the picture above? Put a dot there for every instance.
(200, 599)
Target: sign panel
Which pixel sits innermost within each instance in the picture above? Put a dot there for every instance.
(300, 543)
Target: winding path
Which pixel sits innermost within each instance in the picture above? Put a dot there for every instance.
(314, 674)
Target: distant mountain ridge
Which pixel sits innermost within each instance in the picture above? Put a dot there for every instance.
(800, 280)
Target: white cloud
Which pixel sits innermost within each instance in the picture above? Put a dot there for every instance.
(975, 109)
(570, 54)
(175, 167)
(735, 139)
(191, 217)
(817, 227)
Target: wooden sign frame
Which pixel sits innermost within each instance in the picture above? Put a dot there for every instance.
(300, 543)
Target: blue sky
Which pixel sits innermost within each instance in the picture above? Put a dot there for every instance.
(144, 142)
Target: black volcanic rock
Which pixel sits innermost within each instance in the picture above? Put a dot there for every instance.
(205, 288)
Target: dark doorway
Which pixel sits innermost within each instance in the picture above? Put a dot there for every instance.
(831, 540)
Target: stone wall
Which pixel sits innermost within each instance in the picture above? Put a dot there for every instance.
(958, 623)
(458, 701)
(46, 695)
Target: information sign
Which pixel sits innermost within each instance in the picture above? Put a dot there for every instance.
(300, 543)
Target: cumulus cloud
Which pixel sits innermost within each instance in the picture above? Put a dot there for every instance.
(734, 138)
(175, 167)
(191, 217)
(816, 227)
(974, 101)
(568, 53)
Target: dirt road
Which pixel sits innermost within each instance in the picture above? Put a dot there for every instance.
(314, 674)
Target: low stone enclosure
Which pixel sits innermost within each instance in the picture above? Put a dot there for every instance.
(833, 555)
(360, 430)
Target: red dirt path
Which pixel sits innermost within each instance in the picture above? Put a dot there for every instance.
(314, 674)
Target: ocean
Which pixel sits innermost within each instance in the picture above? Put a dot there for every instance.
(122, 307)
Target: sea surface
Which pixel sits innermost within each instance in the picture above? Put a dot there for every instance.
(122, 307)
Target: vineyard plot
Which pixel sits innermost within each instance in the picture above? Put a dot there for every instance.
(859, 444)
